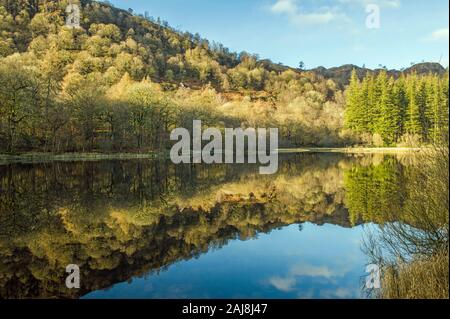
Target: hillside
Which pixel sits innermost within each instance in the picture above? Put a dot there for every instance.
(161, 52)
(144, 46)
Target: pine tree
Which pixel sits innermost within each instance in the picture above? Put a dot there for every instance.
(381, 87)
(421, 98)
(413, 125)
(417, 105)
(354, 115)
(401, 103)
(389, 114)
(372, 102)
(365, 105)
(436, 110)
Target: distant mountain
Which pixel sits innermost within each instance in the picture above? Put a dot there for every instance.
(426, 67)
(342, 74)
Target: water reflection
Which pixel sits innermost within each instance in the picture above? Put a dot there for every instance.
(120, 220)
(411, 244)
(316, 262)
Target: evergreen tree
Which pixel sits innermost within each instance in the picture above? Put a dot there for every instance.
(372, 102)
(355, 116)
(381, 87)
(421, 98)
(389, 127)
(416, 105)
(401, 103)
(413, 125)
(436, 112)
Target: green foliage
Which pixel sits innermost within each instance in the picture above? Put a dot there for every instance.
(388, 107)
(18, 98)
(374, 192)
(356, 112)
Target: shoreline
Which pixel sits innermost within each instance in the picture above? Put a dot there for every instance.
(35, 158)
(352, 150)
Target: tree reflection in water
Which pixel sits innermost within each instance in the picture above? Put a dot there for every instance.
(122, 219)
(412, 243)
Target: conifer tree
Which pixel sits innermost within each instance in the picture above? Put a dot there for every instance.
(381, 87)
(354, 117)
(401, 102)
(421, 98)
(436, 111)
(372, 102)
(413, 125)
(389, 127)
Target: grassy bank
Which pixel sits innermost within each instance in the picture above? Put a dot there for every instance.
(423, 278)
(69, 157)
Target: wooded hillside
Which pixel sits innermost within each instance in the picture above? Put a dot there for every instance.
(122, 81)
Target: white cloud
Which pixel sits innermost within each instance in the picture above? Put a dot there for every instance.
(325, 14)
(313, 271)
(287, 283)
(296, 16)
(284, 6)
(283, 284)
(439, 35)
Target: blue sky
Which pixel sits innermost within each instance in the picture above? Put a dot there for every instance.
(318, 32)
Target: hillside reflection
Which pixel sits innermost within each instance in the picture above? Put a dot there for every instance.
(122, 219)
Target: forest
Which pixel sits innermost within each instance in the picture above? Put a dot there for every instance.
(123, 81)
(411, 108)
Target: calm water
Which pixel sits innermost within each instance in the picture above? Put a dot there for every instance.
(150, 229)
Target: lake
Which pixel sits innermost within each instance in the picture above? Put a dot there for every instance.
(152, 229)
